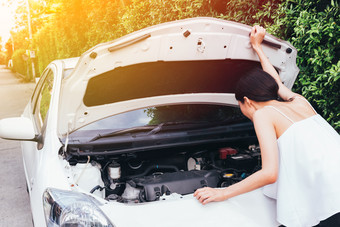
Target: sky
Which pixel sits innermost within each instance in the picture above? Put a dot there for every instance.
(6, 21)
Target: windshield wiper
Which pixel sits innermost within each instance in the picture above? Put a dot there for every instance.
(124, 131)
(153, 129)
(188, 125)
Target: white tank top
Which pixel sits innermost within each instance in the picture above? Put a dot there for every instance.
(307, 189)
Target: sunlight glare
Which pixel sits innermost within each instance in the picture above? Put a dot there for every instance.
(6, 20)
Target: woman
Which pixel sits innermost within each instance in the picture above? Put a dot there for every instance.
(300, 150)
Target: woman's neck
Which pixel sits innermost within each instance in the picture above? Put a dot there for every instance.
(260, 105)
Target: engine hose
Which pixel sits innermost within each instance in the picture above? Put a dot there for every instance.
(96, 188)
(141, 196)
(105, 178)
(217, 168)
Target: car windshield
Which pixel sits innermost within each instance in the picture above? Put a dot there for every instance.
(170, 114)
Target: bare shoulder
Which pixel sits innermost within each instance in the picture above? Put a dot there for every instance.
(303, 105)
(264, 115)
(298, 97)
(264, 125)
(270, 122)
(263, 112)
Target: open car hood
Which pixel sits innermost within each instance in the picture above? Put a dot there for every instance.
(142, 69)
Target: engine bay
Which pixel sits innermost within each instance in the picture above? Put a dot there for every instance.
(149, 176)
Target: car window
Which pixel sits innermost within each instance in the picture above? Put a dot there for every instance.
(37, 88)
(44, 99)
(194, 113)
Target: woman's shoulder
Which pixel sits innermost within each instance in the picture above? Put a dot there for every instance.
(272, 117)
(264, 114)
(297, 98)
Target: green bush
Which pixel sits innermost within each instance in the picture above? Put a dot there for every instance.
(143, 13)
(2, 58)
(244, 11)
(19, 65)
(313, 27)
(316, 35)
(45, 44)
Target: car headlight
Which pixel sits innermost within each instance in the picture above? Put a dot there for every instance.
(67, 208)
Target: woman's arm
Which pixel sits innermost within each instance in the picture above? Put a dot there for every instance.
(256, 37)
(265, 132)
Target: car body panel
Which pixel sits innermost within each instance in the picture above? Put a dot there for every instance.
(41, 164)
(209, 39)
(187, 211)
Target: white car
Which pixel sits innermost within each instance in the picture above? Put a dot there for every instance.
(124, 135)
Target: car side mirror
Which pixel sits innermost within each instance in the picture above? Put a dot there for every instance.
(17, 128)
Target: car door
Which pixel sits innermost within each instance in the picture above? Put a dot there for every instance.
(38, 113)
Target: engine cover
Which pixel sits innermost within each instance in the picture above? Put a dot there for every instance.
(182, 182)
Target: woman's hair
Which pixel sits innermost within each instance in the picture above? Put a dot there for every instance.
(258, 86)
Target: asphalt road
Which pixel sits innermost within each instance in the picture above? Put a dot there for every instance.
(14, 201)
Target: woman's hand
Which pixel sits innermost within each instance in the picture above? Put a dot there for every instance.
(206, 195)
(256, 36)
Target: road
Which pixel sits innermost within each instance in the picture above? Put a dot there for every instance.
(14, 203)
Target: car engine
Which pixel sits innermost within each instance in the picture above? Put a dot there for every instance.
(147, 176)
